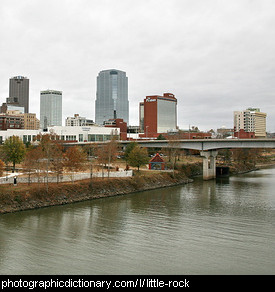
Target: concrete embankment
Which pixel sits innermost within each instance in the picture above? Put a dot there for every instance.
(26, 197)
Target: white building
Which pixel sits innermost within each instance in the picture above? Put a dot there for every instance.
(50, 108)
(251, 120)
(77, 121)
(73, 134)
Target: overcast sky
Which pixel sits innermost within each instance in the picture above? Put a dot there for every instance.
(216, 56)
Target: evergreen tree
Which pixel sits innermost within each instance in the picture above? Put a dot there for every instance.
(129, 148)
(138, 157)
(14, 150)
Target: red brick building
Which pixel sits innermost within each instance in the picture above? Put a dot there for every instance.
(242, 134)
(118, 123)
(158, 114)
(188, 135)
(11, 122)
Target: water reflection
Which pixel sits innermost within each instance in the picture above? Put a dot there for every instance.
(140, 232)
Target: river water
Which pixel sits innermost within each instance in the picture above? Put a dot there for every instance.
(225, 226)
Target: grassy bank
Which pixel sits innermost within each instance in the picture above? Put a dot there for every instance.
(26, 197)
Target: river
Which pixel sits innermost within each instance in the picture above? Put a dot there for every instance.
(225, 226)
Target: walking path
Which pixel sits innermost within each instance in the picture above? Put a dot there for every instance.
(9, 179)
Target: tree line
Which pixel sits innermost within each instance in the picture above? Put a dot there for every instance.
(49, 157)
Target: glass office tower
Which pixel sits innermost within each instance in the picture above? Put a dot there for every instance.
(50, 108)
(111, 96)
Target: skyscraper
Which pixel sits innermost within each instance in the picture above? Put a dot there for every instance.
(50, 108)
(19, 91)
(111, 96)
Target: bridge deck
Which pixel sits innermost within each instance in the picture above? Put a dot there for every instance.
(208, 144)
(196, 144)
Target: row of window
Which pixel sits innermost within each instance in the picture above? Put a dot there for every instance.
(91, 138)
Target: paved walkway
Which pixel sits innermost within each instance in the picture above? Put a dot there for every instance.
(9, 179)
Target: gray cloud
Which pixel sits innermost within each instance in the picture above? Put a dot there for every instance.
(215, 56)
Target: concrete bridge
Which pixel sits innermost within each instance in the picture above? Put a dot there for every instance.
(208, 148)
(206, 144)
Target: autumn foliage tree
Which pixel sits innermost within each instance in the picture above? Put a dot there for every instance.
(2, 167)
(32, 162)
(74, 160)
(57, 160)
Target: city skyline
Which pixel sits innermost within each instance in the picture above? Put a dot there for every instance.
(215, 56)
(62, 121)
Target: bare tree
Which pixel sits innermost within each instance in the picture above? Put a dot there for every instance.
(102, 156)
(90, 149)
(111, 148)
(57, 160)
(174, 151)
(31, 162)
(106, 154)
(50, 149)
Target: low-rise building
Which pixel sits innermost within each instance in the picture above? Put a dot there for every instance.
(11, 104)
(118, 123)
(224, 132)
(77, 121)
(157, 163)
(242, 134)
(10, 121)
(15, 119)
(67, 134)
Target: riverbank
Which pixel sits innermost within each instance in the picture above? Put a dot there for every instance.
(27, 197)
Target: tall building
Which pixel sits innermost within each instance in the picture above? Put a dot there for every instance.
(19, 91)
(251, 120)
(50, 108)
(158, 114)
(111, 96)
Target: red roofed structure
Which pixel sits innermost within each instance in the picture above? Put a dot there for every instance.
(157, 163)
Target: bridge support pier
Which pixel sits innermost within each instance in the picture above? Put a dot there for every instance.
(209, 164)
